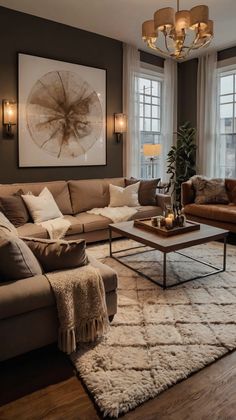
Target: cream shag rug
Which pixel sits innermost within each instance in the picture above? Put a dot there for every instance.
(160, 337)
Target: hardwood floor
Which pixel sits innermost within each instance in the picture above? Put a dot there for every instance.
(43, 385)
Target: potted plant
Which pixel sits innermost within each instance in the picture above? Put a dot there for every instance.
(181, 160)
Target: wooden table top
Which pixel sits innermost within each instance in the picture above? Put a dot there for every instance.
(205, 234)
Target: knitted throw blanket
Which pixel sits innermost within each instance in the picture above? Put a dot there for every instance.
(81, 306)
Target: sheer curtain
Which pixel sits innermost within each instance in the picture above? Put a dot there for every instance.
(131, 145)
(169, 111)
(206, 115)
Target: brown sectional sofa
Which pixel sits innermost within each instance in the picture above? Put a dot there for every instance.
(74, 198)
(28, 315)
(219, 215)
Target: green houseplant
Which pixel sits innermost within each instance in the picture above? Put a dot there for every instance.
(181, 159)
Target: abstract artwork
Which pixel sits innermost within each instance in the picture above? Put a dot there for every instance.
(62, 113)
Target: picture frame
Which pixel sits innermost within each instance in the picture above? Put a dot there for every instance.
(62, 113)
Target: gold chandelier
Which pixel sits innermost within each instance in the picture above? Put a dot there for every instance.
(177, 34)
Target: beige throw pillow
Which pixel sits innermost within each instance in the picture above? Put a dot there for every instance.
(127, 196)
(58, 254)
(17, 261)
(42, 207)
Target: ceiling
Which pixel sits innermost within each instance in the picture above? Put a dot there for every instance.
(122, 19)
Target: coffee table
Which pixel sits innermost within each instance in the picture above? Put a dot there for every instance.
(169, 244)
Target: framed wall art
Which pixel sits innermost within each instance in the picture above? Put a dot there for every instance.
(62, 113)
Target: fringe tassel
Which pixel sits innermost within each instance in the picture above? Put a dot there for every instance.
(86, 331)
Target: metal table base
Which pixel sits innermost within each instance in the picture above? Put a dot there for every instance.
(164, 284)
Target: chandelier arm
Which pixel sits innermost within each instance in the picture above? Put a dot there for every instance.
(175, 33)
(154, 47)
(166, 45)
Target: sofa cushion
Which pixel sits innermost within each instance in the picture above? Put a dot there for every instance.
(93, 222)
(109, 276)
(127, 196)
(75, 227)
(6, 225)
(25, 295)
(32, 230)
(16, 259)
(59, 190)
(14, 208)
(209, 191)
(90, 193)
(220, 212)
(58, 254)
(147, 190)
(29, 294)
(42, 207)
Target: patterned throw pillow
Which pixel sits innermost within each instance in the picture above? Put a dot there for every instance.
(209, 191)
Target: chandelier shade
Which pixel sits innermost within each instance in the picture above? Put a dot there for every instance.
(148, 30)
(182, 20)
(199, 16)
(164, 18)
(176, 34)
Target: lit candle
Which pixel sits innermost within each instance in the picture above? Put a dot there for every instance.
(169, 222)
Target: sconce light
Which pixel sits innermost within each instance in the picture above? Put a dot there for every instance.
(8, 116)
(120, 125)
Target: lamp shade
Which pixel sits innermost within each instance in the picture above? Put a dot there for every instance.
(208, 32)
(164, 18)
(182, 20)
(120, 123)
(151, 149)
(148, 30)
(199, 16)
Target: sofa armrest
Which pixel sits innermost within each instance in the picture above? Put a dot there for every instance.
(187, 193)
(163, 200)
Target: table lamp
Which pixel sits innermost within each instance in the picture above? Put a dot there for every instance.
(152, 151)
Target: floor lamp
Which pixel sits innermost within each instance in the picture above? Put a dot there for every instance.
(152, 151)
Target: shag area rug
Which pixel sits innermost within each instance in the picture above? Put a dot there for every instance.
(160, 337)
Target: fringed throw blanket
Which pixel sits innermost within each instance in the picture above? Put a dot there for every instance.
(116, 214)
(56, 228)
(81, 306)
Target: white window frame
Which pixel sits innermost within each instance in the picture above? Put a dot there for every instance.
(157, 74)
(222, 71)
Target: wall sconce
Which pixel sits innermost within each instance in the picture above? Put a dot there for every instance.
(120, 125)
(8, 116)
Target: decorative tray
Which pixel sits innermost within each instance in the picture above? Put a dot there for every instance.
(147, 225)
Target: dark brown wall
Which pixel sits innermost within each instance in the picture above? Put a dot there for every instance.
(23, 33)
(187, 92)
(187, 87)
(151, 59)
(229, 53)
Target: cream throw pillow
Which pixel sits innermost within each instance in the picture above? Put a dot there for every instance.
(127, 196)
(43, 207)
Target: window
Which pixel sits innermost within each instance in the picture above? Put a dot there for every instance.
(227, 123)
(149, 90)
